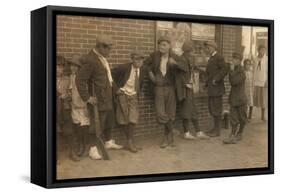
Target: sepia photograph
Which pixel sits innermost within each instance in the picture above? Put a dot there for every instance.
(140, 97)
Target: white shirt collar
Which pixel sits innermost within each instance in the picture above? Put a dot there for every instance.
(214, 53)
(106, 66)
(100, 55)
(134, 69)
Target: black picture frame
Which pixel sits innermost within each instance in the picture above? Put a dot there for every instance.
(43, 52)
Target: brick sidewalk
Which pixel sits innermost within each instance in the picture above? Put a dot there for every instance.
(188, 155)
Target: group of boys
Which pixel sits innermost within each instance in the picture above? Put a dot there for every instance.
(115, 93)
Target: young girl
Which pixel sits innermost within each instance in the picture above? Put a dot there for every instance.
(249, 86)
(79, 114)
(260, 69)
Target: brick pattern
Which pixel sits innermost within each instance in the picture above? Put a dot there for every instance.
(231, 42)
(231, 36)
(77, 35)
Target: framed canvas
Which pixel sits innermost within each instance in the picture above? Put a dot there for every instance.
(126, 96)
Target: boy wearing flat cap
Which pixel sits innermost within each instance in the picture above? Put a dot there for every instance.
(94, 83)
(237, 100)
(216, 71)
(161, 70)
(129, 78)
(185, 96)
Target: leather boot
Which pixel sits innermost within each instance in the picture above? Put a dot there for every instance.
(171, 141)
(231, 138)
(73, 144)
(250, 112)
(165, 142)
(262, 114)
(131, 128)
(216, 130)
(130, 144)
(131, 147)
(238, 136)
(83, 140)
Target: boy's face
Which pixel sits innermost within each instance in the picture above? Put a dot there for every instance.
(236, 61)
(73, 68)
(164, 47)
(137, 61)
(105, 50)
(59, 70)
(262, 52)
(247, 65)
(209, 50)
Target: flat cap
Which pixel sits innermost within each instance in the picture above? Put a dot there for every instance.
(211, 43)
(164, 38)
(137, 54)
(237, 55)
(104, 39)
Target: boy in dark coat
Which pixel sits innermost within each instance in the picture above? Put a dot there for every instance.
(161, 71)
(129, 78)
(216, 71)
(237, 100)
(185, 96)
(94, 83)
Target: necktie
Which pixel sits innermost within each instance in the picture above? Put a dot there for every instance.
(137, 84)
(259, 65)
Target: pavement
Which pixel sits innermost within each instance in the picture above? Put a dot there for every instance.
(187, 156)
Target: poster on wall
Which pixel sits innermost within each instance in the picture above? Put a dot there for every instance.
(178, 31)
(203, 31)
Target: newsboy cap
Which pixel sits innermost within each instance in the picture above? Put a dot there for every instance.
(164, 38)
(76, 60)
(211, 43)
(104, 39)
(237, 56)
(137, 54)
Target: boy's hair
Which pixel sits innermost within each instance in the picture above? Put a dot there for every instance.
(247, 60)
(60, 60)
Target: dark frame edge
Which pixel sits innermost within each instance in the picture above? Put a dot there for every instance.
(159, 15)
(38, 97)
(271, 97)
(162, 178)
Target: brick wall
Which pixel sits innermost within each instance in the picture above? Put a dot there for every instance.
(77, 35)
